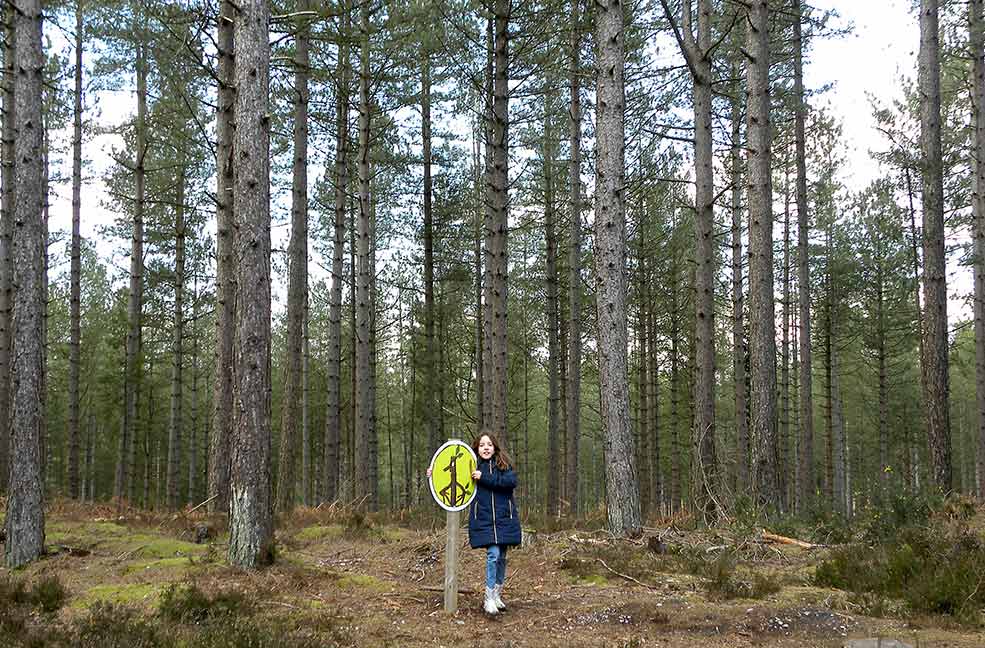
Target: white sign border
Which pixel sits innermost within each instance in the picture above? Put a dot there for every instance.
(434, 495)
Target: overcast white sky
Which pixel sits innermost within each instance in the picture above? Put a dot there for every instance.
(881, 49)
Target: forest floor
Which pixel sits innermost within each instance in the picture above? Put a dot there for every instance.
(345, 579)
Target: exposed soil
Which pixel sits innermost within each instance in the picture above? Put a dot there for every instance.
(380, 584)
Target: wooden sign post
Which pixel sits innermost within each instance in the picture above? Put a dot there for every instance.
(450, 481)
(451, 562)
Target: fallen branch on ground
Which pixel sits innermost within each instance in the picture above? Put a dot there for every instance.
(772, 537)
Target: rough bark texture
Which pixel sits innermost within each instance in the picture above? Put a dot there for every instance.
(762, 330)
(622, 490)
(977, 32)
(738, 298)
(488, 217)
(76, 268)
(935, 373)
(554, 459)
(6, 233)
(297, 286)
(784, 440)
(806, 403)
(430, 350)
(176, 421)
(340, 177)
(126, 485)
(697, 51)
(222, 414)
(24, 521)
(250, 510)
(496, 249)
(193, 437)
(365, 430)
(573, 395)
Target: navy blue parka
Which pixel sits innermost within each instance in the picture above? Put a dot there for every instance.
(493, 516)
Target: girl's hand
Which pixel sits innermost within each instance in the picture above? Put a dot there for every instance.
(429, 471)
(477, 475)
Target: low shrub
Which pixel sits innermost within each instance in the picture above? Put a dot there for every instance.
(189, 604)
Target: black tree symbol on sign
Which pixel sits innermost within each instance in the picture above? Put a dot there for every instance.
(455, 493)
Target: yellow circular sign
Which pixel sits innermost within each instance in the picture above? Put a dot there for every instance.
(451, 475)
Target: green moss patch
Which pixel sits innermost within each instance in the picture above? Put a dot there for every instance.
(318, 532)
(119, 594)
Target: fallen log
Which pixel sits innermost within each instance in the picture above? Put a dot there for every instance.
(772, 537)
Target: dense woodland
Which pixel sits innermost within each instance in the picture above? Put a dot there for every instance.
(619, 236)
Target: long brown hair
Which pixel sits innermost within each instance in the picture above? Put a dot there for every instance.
(503, 460)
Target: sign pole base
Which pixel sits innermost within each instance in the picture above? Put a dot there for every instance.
(451, 562)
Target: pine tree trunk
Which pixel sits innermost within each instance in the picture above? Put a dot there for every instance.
(784, 441)
(24, 521)
(643, 373)
(297, 287)
(806, 455)
(340, 177)
(250, 510)
(935, 372)
(125, 482)
(307, 475)
(656, 481)
(622, 489)
(977, 45)
(488, 220)
(497, 251)
(479, 344)
(364, 430)
(75, 317)
(430, 351)
(738, 316)
(193, 438)
(6, 234)
(220, 449)
(175, 449)
(884, 464)
(675, 386)
(554, 458)
(573, 420)
(762, 332)
(704, 465)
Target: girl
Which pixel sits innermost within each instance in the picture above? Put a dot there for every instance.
(494, 522)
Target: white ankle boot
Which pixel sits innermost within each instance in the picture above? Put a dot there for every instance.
(489, 605)
(497, 597)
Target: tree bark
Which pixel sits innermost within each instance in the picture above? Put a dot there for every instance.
(24, 521)
(977, 43)
(762, 334)
(497, 251)
(554, 458)
(430, 351)
(340, 176)
(697, 49)
(364, 301)
(806, 454)
(784, 441)
(193, 437)
(936, 385)
(573, 419)
(126, 484)
(976, 30)
(250, 510)
(175, 426)
(75, 331)
(220, 449)
(622, 490)
(739, 349)
(297, 287)
(6, 236)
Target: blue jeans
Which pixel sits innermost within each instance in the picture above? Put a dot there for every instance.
(495, 565)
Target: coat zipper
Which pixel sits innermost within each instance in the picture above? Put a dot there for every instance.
(492, 497)
(510, 502)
